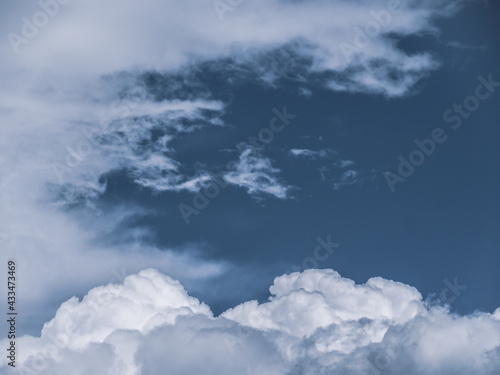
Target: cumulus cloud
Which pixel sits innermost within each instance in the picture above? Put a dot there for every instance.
(256, 174)
(315, 322)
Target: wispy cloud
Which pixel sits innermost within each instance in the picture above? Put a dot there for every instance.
(256, 29)
(349, 177)
(256, 174)
(333, 168)
(460, 45)
(306, 153)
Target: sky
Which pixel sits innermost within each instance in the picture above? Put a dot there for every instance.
(272, 187)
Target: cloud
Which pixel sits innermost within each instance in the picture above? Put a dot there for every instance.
(348, 176)
(303, 302)
(344, 44)
(319, 154)
(344, 163)
(256, 174)
(315, 322)
(460, 45)
(351, 177)
(142, 303)
(57, 155)
(340, 171)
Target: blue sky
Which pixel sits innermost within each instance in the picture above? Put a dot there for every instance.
(225, 145)
(439, 224)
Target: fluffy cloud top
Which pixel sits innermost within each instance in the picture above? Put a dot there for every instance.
(303, 302)
(315, 322)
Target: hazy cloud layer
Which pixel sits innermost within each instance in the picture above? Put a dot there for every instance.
(347, 40)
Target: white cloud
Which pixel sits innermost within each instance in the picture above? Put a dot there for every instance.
(56, 154)
(349, 177)
(312, 154)
(315, 322)
(256, 174)
(170, 34)
(304, 302)
(344, 163)
(352, 177)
